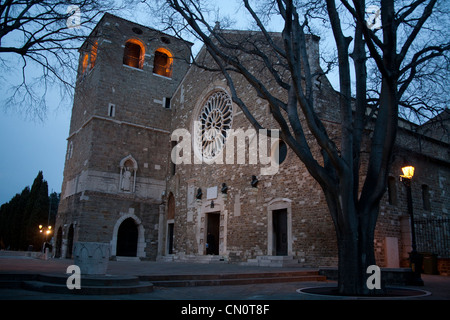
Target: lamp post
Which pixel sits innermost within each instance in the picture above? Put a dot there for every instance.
(45, 231)
(415, 258)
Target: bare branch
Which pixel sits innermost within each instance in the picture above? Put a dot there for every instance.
(38, 33)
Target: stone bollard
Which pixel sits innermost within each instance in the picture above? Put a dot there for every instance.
(91, 257)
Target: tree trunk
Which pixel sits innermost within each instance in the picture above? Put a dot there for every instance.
(355, 230)
(350, 280)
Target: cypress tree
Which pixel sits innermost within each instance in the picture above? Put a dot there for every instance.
(36, 212)
(21, 216)
(11, 221)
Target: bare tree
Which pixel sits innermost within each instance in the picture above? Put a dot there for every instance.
(45, 36)
(400, 58)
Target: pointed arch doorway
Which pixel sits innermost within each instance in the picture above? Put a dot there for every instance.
(127, 238)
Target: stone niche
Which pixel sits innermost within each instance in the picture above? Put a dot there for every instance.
(128, 168)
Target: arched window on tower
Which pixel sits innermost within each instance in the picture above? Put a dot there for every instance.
(163, 63)
(85, 63)
(94, 54)
(134, 54)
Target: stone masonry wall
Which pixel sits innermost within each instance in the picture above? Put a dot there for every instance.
(119, 113)
(245, 211)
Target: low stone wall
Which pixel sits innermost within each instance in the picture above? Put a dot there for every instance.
(30, 254)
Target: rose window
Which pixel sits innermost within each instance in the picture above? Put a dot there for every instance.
(214, 123)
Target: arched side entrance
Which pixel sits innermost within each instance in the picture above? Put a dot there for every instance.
(128, 237)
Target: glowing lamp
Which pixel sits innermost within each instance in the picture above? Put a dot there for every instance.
(408, 172)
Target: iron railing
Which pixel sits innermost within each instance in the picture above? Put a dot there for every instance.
(433, 236)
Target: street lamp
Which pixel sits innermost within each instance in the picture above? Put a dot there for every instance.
(415, 258)
(45, 231)
(408, 172)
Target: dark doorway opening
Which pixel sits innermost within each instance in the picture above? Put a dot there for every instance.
(213, 233)
(280, 232)
(170, 233)
(127, 238)
(70, 242)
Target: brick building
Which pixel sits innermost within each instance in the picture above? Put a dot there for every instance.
(136, 92)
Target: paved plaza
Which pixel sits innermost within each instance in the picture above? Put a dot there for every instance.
(436, 287)
(259, 301)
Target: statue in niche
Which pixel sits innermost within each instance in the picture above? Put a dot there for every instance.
(128, 168)
(126, 179)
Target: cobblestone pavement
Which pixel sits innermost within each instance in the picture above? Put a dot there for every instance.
(438, 286)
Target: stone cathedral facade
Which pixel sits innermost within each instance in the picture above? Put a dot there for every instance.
(136, 92)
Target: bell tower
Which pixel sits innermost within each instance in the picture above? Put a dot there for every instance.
(118, 148)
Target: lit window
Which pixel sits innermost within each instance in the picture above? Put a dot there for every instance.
(94, 54)
(134, 54)
(85, 62)
(163, 63)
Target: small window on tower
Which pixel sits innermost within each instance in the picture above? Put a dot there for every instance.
(69, 150)
(112, 110)
(167, 102)
(163, 63)
(134, 54)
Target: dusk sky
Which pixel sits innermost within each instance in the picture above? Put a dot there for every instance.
(30, 146)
